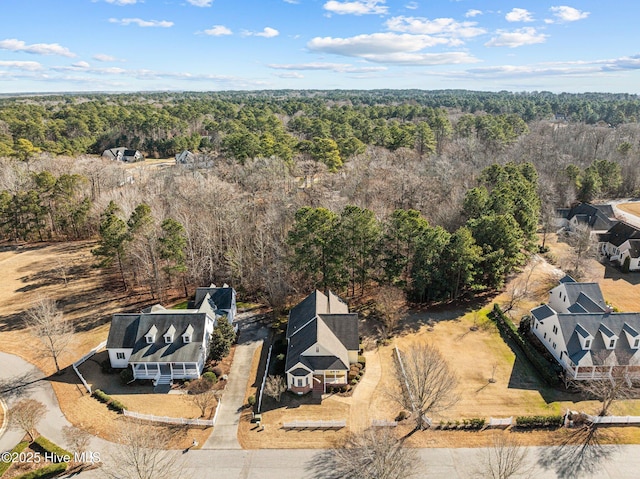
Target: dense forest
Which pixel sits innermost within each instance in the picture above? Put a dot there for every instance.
(438, 192)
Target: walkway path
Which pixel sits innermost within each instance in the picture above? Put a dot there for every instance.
(225, 431)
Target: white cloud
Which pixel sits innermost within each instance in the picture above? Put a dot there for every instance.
(446, 27)
(200, 3)
(292, 2)
(519, 15)
(15, 45)
(101, 57)
(411, 6)
(141, 23)
(268, 32)
(334, 67)
(81, 64)
(21, 65)
(358, 7)
(473, 13)
(567, 14)
(516, 38)
(217, 31)
(122, 2)
(295, 75)
(390, 48)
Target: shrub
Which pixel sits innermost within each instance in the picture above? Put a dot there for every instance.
(354, 382)
(251, 400)
(351, 375)
(126, 376)
(626, 264)
(105, 367)
(47, 446)
(402, 415)
(362, 360)
(476, 423)
(538, 422)
(281, 357)
(21, 446)
(108, 400)
(210, 377)
(45, 472)
(217, 370)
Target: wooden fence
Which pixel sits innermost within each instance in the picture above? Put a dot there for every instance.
(315, 424)
(83, 359)
(171, 420)
(613, 420)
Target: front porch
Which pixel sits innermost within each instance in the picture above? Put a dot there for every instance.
(602, 372)
(166, 372)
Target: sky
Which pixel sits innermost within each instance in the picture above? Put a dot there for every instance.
(210, 45)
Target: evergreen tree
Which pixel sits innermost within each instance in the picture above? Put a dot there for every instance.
(113, 234)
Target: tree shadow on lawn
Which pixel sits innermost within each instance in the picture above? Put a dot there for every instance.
(20, 385)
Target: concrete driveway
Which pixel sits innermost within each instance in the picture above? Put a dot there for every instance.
(252, 334)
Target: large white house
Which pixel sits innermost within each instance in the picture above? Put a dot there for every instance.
(322, 342)
(620, 242)
(584, 335)
(166, 344)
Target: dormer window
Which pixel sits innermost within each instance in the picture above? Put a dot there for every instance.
(150, 337)
(187, 337)
(633, 337)
(608, 337)
(168, 336)
(584, 337)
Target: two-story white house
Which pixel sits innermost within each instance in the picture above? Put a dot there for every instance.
(166, 344)
(322, 342)
(583, 334)
(620, 242)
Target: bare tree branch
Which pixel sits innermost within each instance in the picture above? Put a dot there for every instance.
(506, 458)
(25, 415)
(48, 325)
(425, 382)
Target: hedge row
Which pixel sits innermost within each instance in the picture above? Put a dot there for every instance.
(548, 371)
(45, 472)
(21, 446)
(48, 446)
(473, 424)
(535, 422)
(108, 400)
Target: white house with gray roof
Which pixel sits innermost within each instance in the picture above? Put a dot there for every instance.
(584, 335)
(322, 342)
(166, 344)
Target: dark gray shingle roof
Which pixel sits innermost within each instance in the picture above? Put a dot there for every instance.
(129, 330)
(222, 297)
(542, 312)
(591, 290)
(622, 232)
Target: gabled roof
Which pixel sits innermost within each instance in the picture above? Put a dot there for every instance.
(584, 304)
(598, 217)
(567, 279)
(314, 304)
(324, 321)
(622, 232)
(128, 332)
(586, 294)
(590, 324)
(542, 312)
(222, 297)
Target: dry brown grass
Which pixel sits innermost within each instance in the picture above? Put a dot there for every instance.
(633, 208)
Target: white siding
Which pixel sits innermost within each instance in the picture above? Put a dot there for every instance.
(119, 363)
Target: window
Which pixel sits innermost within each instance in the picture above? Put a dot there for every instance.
(317, 348)
(612, 343)
(554, 345)
(636, 343)
(555, 330)
(187, 339)
(119, 355)
(545, 335)
(299, 382)
(168, 339)
(536, 324)
(587, 343)
(561, 354)
(149, 339)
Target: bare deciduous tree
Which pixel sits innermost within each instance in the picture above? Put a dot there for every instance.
(425, 382)
(48, 325)
(275, 386)
(614, 387)
(582, 242)
(520, 287)
(390, 303)
(141, 454)
(375, 453)
(25, 415)
(505, 458)
(203, 400)
(77, 439)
